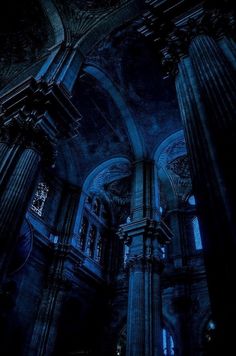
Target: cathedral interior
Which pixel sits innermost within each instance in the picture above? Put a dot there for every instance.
(117, 201)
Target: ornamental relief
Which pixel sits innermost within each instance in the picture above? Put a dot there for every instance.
(180, 167)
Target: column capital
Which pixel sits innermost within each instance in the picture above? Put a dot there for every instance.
(23, 129)
(172, 40)
(148, 227)
(50, 102)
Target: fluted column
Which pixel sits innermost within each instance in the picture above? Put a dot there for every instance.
(207, 95)
(3, 150)
(144, 263)
(16, 196)
(201, 55)
(46, 324)
(23, 147)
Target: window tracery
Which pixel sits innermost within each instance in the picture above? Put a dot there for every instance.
(40, 198)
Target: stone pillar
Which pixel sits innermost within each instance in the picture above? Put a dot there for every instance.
(3, 150)
(143, 234)
(46, 324)
(23, 147)
(207, 95)
(205, 82)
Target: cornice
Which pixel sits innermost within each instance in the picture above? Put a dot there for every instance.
(50, 102)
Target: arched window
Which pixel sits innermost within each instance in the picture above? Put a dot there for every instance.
(196, 234)
(40, 198)
(168, 343)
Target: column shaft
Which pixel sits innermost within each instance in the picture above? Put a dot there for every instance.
(144, 333)
(14, 200)
(136, 317)
(207, 95)
(46, 325)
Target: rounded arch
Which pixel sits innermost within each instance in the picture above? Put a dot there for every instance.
(176, 137)
(107, 84)
(54, 18)
(66, 70)
(90, 179)
(167, 156)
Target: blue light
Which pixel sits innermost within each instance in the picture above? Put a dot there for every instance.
(191, 200)
(197, 234)
(168, 343)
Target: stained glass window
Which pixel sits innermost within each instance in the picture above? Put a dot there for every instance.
(40, 198)
(168, 343)
(196, 234)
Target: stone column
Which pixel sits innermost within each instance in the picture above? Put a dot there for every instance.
(3, 150)
(23, 149)
(46, 324)
(206, 93)
(144, 263)
(206, 88)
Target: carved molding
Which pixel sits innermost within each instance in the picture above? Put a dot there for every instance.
(180, 167)
(37, 104)
(80, 16)
(145, 263)
(23, 129)
(172, 41)
(148, 227)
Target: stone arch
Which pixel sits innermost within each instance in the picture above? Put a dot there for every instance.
(102, 168)
(170, 150)
(72, 55)
(107, 84)
(54, 18)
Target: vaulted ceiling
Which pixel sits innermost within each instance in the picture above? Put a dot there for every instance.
(132, 124)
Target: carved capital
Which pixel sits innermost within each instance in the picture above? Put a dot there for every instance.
(172, 41)
(23, 129)
(50, 103)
